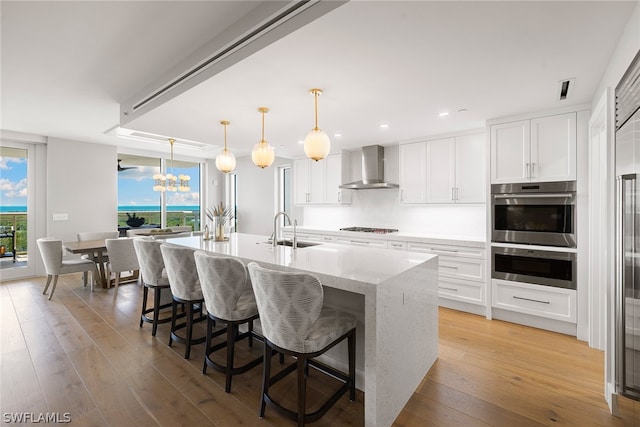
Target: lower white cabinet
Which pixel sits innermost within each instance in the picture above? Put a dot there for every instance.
(537, 300)
(461, 290)
(361, 241)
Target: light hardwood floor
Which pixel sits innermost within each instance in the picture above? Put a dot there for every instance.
(83, 353)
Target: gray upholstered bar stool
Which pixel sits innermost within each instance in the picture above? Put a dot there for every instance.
(185, 288)
(294, 322)
(153, 277)
(229, 299)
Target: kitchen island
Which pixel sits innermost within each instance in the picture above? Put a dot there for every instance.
(393, 294)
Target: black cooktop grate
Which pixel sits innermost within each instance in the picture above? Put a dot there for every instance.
(370, 230)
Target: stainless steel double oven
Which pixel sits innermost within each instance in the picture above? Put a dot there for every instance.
(531, 215)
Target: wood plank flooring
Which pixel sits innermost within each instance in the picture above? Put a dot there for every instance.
(84, 354)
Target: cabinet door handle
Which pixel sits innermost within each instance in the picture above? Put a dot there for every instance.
(359, 242)
(453, 193)
(449, 289)
(532, 300)
(528, 173)
(533, 170)
(451, 251)
(338, 197)
(308, 197)
(396, 245)
(457, 193)
(401, 195)
(453, 267)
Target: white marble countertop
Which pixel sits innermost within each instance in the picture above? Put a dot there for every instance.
(363, 264)
(443, 239)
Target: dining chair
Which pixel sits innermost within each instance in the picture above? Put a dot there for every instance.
(98, 235)
(295, 322)
(51, 252)
(186, 290)
(154, 277)
(229, 299)
(122, 257)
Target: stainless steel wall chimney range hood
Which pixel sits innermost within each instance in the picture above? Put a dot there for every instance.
(372, 170)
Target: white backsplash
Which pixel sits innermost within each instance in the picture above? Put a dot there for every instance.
(381, 208)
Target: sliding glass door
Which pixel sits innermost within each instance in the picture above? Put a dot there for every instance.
(17, 220)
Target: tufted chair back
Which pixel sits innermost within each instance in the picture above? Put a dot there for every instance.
(289, 304)
(181, 271)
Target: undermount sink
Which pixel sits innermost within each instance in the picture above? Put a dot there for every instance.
(300, 244)
(290, 243)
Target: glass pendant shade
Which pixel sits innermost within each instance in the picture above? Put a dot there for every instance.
(225, 161)
(183, 181)
(159, 182)
(263, 154)
(316, 144)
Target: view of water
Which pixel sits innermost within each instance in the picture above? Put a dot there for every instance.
(20, 209)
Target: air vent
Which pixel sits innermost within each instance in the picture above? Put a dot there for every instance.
(137, 135)
(565, 88)
(628, 93)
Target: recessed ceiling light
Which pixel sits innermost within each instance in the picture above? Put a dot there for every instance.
(337, 135)
(384, 126)
(443, 114)
(300, 142)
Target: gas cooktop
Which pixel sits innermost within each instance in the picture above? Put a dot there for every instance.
(370, 230)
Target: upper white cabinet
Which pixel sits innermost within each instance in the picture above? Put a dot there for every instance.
(413, 167)
(447, 170)
(317, 182)
(537, 150)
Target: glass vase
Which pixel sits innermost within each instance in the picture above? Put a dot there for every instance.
(218, 227)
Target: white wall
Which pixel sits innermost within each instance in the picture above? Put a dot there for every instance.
(382, 208)
(256, 196)
(81, 182)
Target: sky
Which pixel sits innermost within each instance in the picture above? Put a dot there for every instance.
(13, 181)
(135, 186)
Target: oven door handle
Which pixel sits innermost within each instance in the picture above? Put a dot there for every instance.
(532, 196)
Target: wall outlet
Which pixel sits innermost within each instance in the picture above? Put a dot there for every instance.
(60, 217)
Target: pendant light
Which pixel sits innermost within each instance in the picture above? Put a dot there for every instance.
(262, 154)
(316, 143)
(225, 161)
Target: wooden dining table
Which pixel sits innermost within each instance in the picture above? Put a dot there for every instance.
(95, 249)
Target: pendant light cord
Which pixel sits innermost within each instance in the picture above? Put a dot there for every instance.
(315, 98)
(262, 126)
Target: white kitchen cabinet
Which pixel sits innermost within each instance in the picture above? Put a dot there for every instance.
(317, 182)
(537, 300)
(413, 167)
(462, 271)
(455, 170)
(538, 150)
(362, 241)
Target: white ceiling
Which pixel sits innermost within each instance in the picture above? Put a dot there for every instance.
(67, 66)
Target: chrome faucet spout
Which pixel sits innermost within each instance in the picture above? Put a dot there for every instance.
(275, 226)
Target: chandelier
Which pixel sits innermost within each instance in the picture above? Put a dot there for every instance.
(170, 182)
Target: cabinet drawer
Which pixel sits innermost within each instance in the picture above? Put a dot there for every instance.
(462, 268)
(397, 245)
(461, 290)
(451, 250)
(362, 242)
(537, 300)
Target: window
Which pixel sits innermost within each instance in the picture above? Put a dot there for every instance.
(140, 205)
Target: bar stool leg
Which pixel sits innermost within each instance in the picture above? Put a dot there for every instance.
(266, 377)
(302, 388)
(174, 313)
(145, 294)
(187, 351)
(207, 348)
(156, 310)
